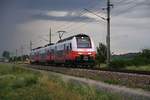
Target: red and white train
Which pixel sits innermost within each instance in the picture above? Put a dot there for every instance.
(78, 50)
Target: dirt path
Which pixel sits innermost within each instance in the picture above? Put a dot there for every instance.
(135, 94)
(122, 79)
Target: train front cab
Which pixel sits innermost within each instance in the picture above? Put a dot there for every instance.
(83, 50)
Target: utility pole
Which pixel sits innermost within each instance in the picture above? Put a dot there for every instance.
(22, 52)
(108, 28)
(50, 33)
(16, 55)
(108, 32)
(30, 45)
(16, 52)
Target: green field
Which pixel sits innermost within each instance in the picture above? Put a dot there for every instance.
(140, 68)
(18, 83)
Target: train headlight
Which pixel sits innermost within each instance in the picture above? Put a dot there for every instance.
(79, 53)
(89, 53)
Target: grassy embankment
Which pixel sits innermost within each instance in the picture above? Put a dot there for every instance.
(139, 68)
(18, 83)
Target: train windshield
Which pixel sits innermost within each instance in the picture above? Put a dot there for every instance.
(83, 42)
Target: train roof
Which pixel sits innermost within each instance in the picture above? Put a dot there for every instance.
(36, 48)
(66, 39)
(49, 44)
(69, 38)
(43, 47)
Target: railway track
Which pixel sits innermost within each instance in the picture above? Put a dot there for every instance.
(100, 69)
(127, 80)
(125, 71)
(133, 79)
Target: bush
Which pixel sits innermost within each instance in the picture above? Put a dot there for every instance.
(118, 64)
(137, 61)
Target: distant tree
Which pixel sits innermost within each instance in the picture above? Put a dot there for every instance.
(146, 53)
(11, 59)
(19, 58)
(6, 54)
(101, 53)
(25, 57)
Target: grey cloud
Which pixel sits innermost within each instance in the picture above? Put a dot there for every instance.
(16, 12)
(19, 11)
(74, 18)
(132, 9)
(51, 4)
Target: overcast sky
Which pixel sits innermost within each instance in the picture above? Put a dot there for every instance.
(25, 20)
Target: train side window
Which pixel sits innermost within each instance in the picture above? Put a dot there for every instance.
(52, 51)
(48, 52)
(64, 47)
(70, 46)
(67, 48)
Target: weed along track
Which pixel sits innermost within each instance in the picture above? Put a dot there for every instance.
(123, 79)
(91, 78)
(20, 83)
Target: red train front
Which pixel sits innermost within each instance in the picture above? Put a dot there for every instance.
(78, 49)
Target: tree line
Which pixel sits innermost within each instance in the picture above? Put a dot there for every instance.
(6, 55)
(140, 58)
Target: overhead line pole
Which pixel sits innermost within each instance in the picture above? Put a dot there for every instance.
(22, 52)
(16, 52)
(31, 45)
(108, 32)
(108, 29)
(50, 34)
(16, 56)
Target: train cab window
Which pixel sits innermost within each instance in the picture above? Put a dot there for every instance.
(83, 42)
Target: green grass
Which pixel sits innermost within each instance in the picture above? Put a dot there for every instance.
(140, 68)
(78, 90)
(18, 83)
(112, 81)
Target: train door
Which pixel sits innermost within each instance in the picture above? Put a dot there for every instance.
(68, 49)
(48, 55)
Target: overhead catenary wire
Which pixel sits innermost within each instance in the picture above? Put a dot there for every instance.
(92, 4)
(81, 13)
(86, 20)
(72, 23)
(83, 24)
(69, 27)
(117, 2)
(130, 6)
